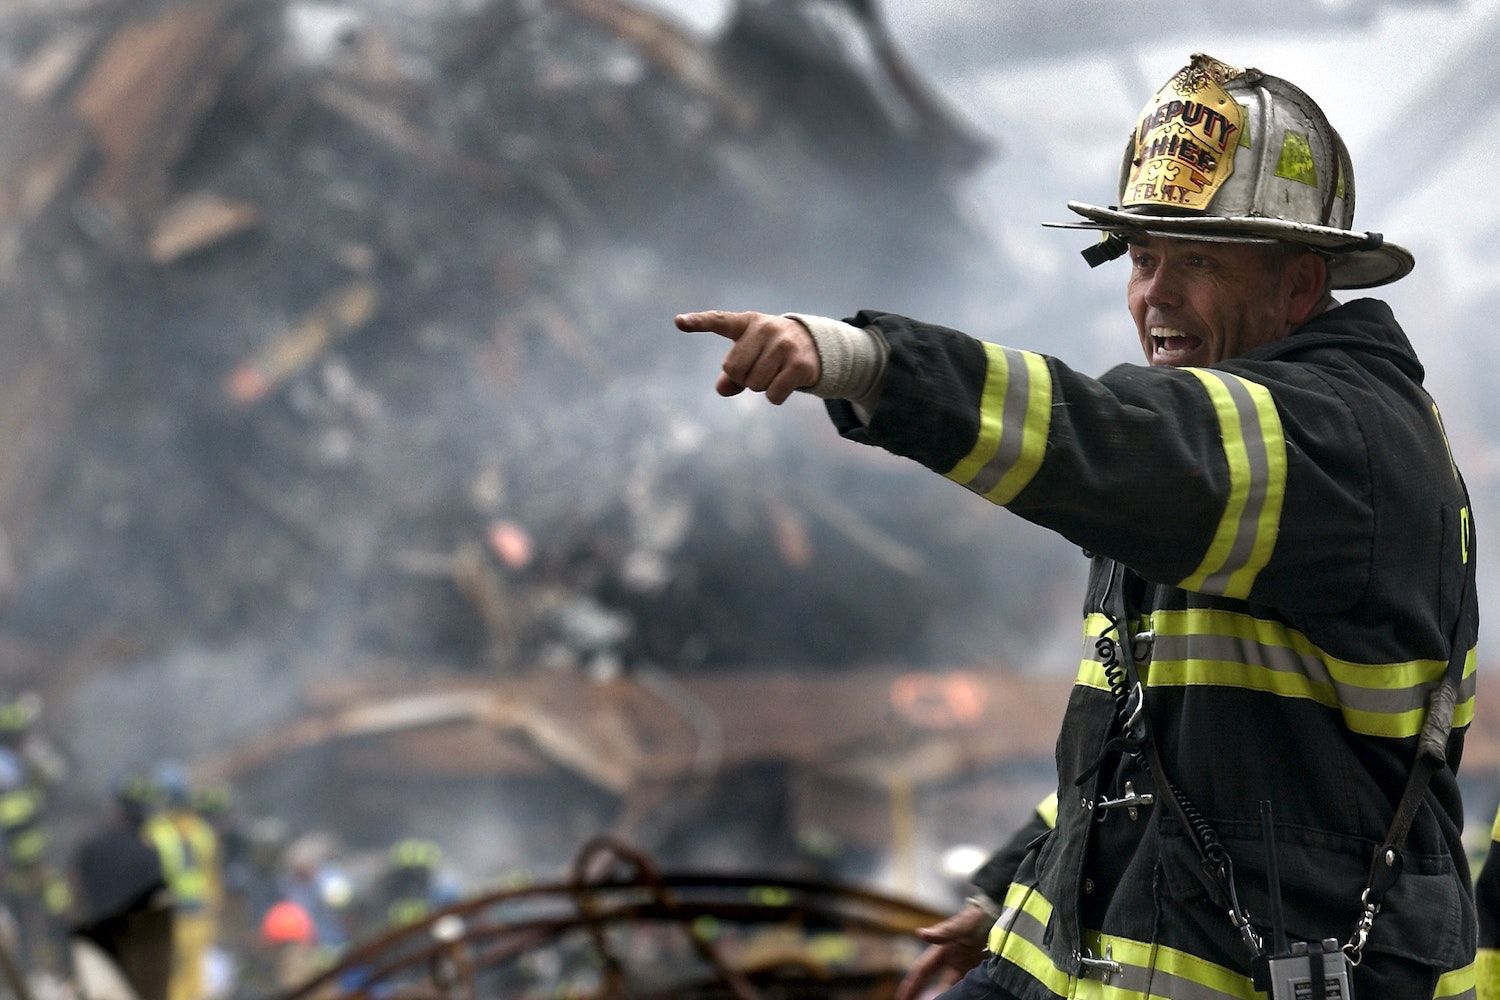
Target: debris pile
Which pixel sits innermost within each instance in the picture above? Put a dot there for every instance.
(346, 317)
(338, 346)
(619, 927)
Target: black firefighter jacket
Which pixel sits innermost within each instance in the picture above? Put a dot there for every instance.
(1291, 530)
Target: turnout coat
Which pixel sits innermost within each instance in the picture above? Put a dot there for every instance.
(1294, 545)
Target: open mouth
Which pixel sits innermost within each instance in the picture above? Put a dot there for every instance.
(1168, 343)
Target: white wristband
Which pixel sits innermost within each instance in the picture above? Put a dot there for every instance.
(853, 360)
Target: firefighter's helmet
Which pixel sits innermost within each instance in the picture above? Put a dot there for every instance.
(136, 794)
(18, 714)
(286, 922)
(173, 784)
(213, 800)
(1236, 155)
(416, 853)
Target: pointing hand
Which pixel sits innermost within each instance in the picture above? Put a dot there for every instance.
(771, 354)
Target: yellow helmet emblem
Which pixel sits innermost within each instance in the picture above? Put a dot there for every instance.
(1186, 140)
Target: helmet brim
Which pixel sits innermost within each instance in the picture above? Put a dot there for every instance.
(1355, 259)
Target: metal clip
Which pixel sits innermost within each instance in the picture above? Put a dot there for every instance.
(1356, 946)
(1105, 967)
(1142, 644)
(1130, 802)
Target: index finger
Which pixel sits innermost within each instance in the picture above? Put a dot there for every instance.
(725, 324)
(924, 970)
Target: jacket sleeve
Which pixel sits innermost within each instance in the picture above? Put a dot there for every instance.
(995, 876)
(1249, 480)
(1487, 901)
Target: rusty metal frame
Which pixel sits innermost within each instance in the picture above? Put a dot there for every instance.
(441, 956)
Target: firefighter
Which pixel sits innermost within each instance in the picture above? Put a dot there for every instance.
(1281, 584)
(33, 887)
(189, 853)
(216, 804)
(124, 908)
(413, 885)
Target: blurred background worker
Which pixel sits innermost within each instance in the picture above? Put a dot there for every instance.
(189, 851)
(287, 931)
(123, 906)
(236, 930)
(29, 766)
(412, 885)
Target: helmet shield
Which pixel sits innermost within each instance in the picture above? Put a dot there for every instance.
(1184, 145)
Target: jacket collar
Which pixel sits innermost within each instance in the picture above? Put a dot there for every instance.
(1361, 325)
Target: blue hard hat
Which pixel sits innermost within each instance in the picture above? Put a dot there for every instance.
(171, 779)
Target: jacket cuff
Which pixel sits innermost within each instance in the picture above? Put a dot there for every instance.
(853, 361)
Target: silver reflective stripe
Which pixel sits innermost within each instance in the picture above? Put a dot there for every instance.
(1255, 500)
(1217, 648)
(1023, 925)
(1156, 983)
(1013, 419)
(1232, 649)
(1254, 450)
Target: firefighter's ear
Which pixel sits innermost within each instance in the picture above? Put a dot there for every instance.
(1306, 286)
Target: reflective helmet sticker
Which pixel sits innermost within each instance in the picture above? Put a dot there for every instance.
(1296, 160)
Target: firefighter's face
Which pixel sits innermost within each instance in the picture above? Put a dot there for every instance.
(1197, 303)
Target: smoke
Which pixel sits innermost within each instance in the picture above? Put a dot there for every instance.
(527, 198)
(480, 328)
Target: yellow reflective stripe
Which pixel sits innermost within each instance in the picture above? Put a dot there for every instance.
(1239, 480)
(1267, 632)
(1034, 431)
(1232, 649)
(1034, 961)
(1090, 670)
(1495, 830)
(183, 863)
(1486, 974)
(991, 410)
(1047, 810)
(1147, 971)
(1255, 450)
(1162, 965)
(18, 807)
(1024, 905)
(1015, 417)
(407, 911)
(1268, 526)
(1018, 899)
(1457, 983)
(27, 846)
(1154, 971)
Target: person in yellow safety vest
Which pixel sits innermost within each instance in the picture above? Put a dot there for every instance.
(189, 852)
(26, 769)
(412, 887)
